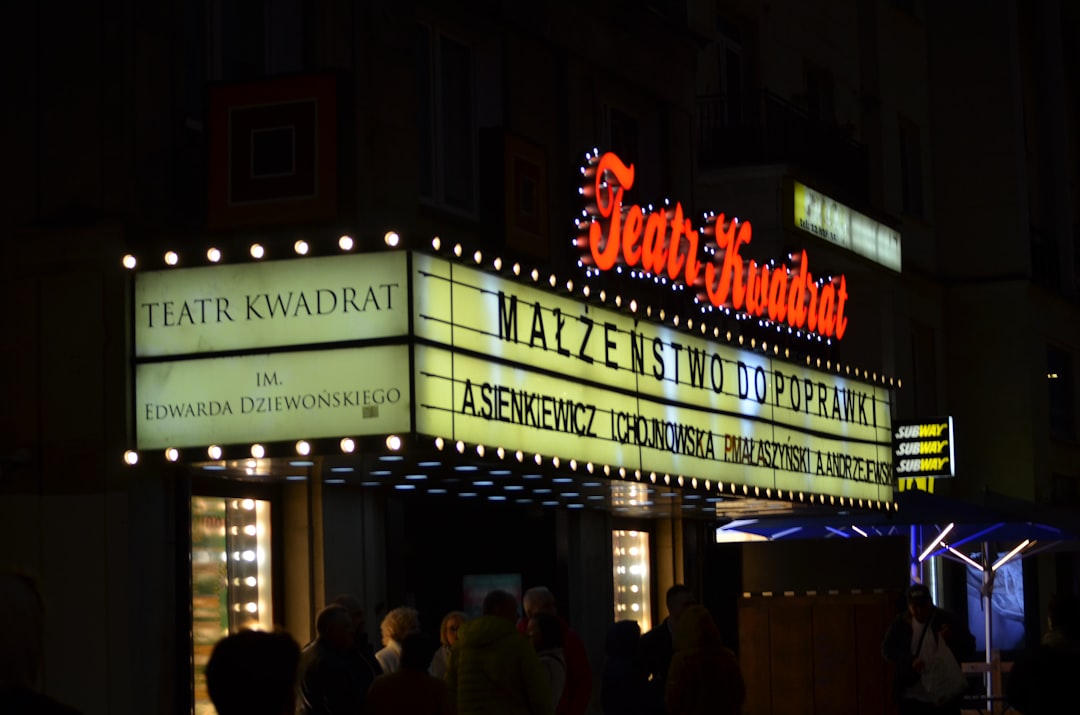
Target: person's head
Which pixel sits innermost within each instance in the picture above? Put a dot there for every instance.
(696, 629)
(1063, 614)
(622, 639)
(545, 630)
(415, 653)
(500, 603)
(448, 629)
(335, 627)
(678, 597)
(399, 623)
(21, 615)
(356, 612)
(253, 673)
(919, 602)
(538, 599)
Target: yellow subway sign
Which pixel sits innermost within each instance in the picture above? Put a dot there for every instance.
(924, 449)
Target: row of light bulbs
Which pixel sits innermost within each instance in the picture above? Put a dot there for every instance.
(693, 482)
(258, 251)
(258, 451)
(394, 443)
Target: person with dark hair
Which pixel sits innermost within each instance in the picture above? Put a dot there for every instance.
(493, 668)
(625, 688)
(912, 640)
(656, 645)
(578, 689)
(253, 673)
(361, 647)
(704, 676)
(22, 614)
(332, 682)
(1043, 680)
(545, 632)
(411, 689)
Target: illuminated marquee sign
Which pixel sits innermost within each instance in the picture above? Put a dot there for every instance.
(495, 362)
(515, 366)
(924, 449)
(188, 394)
(664, 242)
(247, 306)
(272, 397)
(827, 218)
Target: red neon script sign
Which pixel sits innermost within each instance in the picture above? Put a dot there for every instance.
(664, 242)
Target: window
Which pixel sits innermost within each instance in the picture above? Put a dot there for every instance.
(729, 72)
(1063, 491)
(820, 103)
(251, 39)
(446, 126)
(911, 183)
(1059, 383)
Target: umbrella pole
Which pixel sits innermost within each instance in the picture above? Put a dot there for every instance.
(987, 599)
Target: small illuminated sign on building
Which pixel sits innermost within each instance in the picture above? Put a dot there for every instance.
(828, 219)
(924, 448)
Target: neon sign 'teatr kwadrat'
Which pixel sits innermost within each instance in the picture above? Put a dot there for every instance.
(664, 242)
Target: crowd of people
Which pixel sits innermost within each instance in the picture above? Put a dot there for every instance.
(511, 659)
(526, 659)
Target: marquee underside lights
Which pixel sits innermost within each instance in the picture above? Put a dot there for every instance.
(664, 243)
(508, 471)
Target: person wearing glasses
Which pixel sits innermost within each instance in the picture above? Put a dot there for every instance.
(448, 631)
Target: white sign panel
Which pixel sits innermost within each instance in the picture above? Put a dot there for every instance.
(472, 399)
(666, 400)
(245, 306)
(272, 397)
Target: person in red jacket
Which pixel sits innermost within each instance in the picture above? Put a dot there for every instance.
(578, 689)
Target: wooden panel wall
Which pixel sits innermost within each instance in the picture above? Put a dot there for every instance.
(816, 654)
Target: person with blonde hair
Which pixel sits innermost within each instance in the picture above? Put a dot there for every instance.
(396, 626)
(448, 631)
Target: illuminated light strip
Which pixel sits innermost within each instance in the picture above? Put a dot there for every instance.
(937, 540)
(838, 532)
(965, 558)
(346, 243)
(1005, 559)
(859, 531)
(785, 532)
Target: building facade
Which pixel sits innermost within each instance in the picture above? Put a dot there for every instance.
(886, 144)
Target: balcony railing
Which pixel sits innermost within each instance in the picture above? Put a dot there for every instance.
(745, 129)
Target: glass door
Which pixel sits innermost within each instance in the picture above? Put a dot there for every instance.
(231, 584)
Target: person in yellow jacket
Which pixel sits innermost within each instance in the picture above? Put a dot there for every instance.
(494, 670)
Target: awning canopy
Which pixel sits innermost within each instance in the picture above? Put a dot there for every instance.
(988, 517)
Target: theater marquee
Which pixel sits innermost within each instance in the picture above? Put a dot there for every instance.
(524, 368)
(391, 342)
